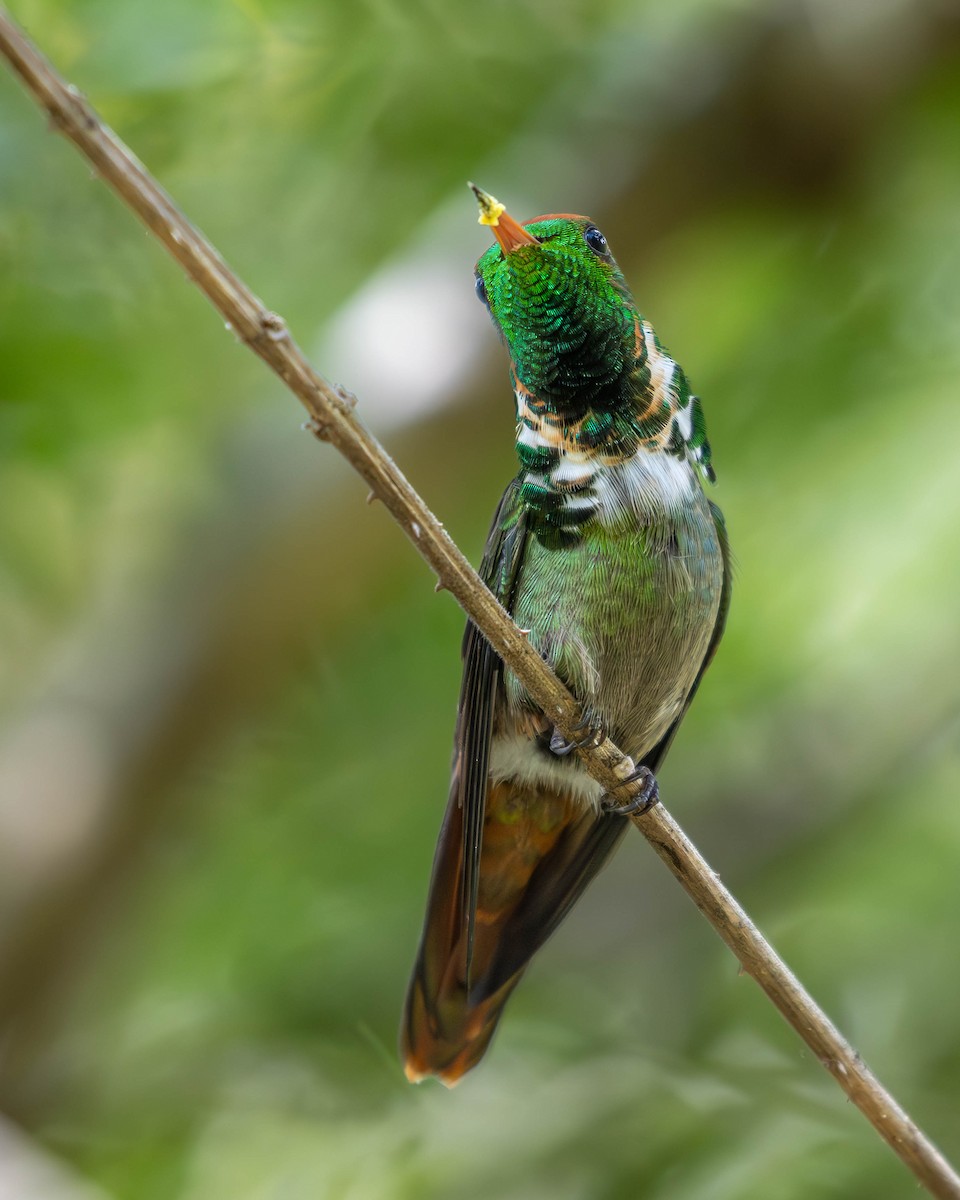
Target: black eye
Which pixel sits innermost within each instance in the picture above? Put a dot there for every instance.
(595, 240)
(481, 289)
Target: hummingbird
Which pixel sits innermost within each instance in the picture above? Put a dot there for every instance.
(607, 551)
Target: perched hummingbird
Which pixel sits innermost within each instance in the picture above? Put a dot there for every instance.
(606, 549)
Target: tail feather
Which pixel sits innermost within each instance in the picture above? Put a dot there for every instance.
(540, 848)
(447, 1036)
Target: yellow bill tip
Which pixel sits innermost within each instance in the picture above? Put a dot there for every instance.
(491, 210)
(509, 233)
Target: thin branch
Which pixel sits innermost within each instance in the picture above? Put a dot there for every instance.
(332, 419)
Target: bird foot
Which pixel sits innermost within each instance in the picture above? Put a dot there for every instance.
(642, 792)
(593, 734)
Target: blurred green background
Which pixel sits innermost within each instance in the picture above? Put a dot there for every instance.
(227, 688)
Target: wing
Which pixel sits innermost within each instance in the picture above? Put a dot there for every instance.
(436, 1004)
(586, 843)
(482, 672)
(511, 860)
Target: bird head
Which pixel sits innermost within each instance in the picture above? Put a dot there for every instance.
(561, 304)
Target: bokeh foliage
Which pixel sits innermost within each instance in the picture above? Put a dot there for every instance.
(261, 675)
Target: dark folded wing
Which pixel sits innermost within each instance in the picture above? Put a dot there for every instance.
(587, 842)
(482, 673)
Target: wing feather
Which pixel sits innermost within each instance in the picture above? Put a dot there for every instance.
(564, 874)
(538, 849)
(482, 673)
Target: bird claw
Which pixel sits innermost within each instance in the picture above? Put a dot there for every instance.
(594, 735)
(642, 790)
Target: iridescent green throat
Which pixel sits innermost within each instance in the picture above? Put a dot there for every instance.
(589, 373)
(567, 316)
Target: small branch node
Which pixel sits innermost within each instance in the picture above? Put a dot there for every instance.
(81, 106)
(319, 429)
(273, 326)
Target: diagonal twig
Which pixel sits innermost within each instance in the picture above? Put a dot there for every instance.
(332, 419)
